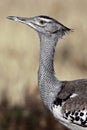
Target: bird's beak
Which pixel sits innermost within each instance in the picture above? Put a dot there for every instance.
(24, 20)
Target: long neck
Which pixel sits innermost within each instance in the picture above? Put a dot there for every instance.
(47, 49)
(47, 82)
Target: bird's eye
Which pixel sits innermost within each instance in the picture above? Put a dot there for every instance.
(42, 22)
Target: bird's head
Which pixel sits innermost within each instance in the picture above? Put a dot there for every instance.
(43, 24)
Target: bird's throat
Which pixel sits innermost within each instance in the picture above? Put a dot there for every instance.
(47, 50)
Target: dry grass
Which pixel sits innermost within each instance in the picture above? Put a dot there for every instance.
(19, 47)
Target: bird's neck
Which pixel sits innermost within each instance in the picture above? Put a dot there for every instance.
(47, 49)
(47, 82)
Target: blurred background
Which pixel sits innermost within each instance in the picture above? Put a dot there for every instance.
(20, 105)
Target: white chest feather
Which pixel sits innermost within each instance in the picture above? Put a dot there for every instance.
(57, 112)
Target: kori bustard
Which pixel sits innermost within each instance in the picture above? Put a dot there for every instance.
(67, 100)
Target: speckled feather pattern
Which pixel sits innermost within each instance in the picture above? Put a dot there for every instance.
(73, 101)
(78, 117)
(52, 89)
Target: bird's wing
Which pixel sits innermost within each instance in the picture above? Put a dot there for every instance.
(73, 101)
(75, 110)
(70, 88)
